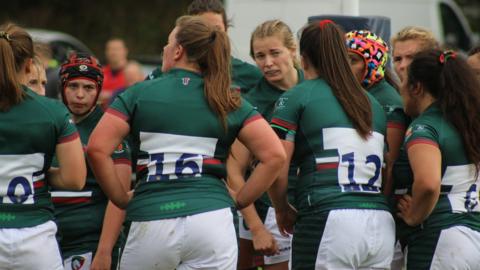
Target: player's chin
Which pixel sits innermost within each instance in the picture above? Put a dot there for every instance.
(79, 111)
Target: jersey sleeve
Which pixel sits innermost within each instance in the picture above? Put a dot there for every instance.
(122, 154)
(287, 115)
(247, 113)
(421, 133)
(396, 118)
(123, 106)
(66, 128)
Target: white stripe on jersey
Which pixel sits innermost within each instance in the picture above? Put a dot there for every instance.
(36, 178)
(143, 161)
(171, 143)
(327, 160)
(349, 144)
(71, 194)
(20, 168)
(461, 178)
(171, 155)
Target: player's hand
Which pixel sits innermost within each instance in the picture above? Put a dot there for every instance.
(404, 206)
(286, 218)
(263, 241)
(101, 261)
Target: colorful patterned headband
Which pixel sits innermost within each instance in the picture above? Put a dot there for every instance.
(374, 52)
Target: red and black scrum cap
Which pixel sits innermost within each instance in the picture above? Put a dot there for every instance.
(81, 65)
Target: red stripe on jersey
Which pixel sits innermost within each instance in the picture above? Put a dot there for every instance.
(212, 161)
(117, 113)
(39, 184)
(122, 161)
(68, 138)
(421, 141)
(252, 119)
(70, 200)
(325, 166)
(395, 125)
(284, 124)
(141, 167)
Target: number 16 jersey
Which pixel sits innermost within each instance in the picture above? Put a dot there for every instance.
(338, 168)
(181, 145)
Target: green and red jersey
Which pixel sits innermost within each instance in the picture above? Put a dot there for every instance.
(264, 97)
(338, 169)
(29, 134)
(181, 143)
(458, 202)
(80, 214)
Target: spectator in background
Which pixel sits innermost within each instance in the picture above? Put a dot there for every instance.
(116, 54)
(37, 78)
(473, 60)
(406, 43)
(133, 73)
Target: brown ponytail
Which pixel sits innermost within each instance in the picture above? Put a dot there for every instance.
(16, 48)
(209, 47)
(323, 46)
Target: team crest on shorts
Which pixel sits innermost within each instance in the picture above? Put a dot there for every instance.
(77, 262)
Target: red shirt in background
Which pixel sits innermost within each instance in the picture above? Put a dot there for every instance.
(113, 80)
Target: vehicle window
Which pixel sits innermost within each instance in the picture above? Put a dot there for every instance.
(61, 49)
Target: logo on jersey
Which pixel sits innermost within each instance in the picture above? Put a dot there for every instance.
(77, 262)
(419, 127)
(186, 81)
(83, 68)
(389, 108)
(280, 103)
(119, 149)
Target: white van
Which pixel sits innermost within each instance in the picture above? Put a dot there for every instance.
(443, 17)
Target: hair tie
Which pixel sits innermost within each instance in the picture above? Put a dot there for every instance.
(322, 23)
(447, 54)
(5, 35)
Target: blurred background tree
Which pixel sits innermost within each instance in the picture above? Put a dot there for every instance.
(144, 25)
